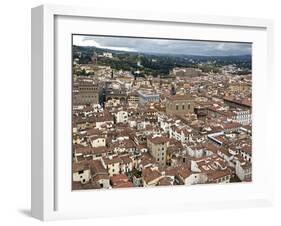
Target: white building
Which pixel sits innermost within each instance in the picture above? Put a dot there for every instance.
(214, 169)
(246, 152)
(243, 117)
(81, 173)
(121, 117)
(127, 164)
(132, 122)
(196, 152)
(243, 170)
(112, 165)
(112, 103)
(148, 97)
(99, 174)
(166, 123)
(183, 134)
(226, 155)
(102, 180)
(97, 141)
(107, 55)
(108, 124)
(187, 177)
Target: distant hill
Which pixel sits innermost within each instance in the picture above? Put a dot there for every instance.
(155, 64)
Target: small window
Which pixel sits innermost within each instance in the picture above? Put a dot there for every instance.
(81, 171)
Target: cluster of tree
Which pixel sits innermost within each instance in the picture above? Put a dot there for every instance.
(242, 72)
(160, 64)
(209, 68)
(124, 63)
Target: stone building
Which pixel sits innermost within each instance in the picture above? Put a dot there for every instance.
(179, 105)
(85, 92)
(157, 147)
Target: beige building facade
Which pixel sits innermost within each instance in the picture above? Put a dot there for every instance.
(179, 105)
(85, 93)
(157, 147)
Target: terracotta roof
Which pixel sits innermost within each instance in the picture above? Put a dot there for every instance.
(79, 186)
(214, 175)
(246, 101)
(127, 184)
(179, 97)
(165, 181)
(83, 150)
(101, 177)
(119, 178)
(211, 147)
(247, 149)
(158, 140)
(149, 175)
(76, 167)
(97, 167)
(126, 159)
(232, 125)
(184, 173)
(114, 160)
(101, 150)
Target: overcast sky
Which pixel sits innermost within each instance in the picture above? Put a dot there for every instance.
(203, 48)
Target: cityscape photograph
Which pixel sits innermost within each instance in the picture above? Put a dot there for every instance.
(160, 112)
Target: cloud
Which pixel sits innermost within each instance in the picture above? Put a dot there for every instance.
(165, 46)
(220, 46)
(84, 41)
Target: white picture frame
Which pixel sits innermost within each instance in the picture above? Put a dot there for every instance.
(52, 198)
